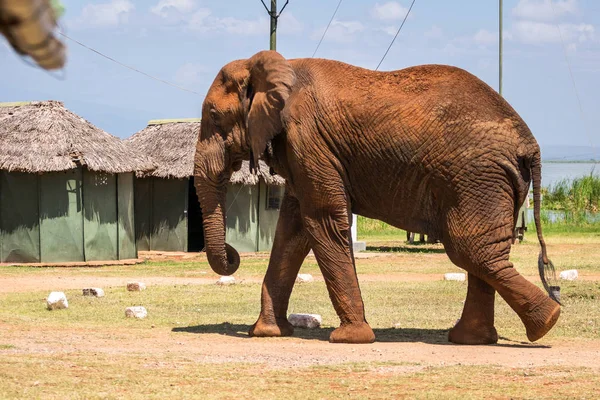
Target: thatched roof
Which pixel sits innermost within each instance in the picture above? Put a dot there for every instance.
(244, 176)
(44, 136)
(172, 144)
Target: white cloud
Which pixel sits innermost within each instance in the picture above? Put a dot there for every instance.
(112, 13)
(164, 7)
(532, 32)
(340, 31)
(190, 73)
(485, 38)
(390, 30)
(203, 20)
(434, 33)
(544, 10)
(289, 25)
(392, 10)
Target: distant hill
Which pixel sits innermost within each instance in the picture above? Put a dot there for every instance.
(570, 153)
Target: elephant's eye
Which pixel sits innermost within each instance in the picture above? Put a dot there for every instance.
(215, 116)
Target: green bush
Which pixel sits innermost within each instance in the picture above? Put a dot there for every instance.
(368, 227)
(575, 196)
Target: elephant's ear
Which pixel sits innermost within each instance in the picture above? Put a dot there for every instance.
(269, 86)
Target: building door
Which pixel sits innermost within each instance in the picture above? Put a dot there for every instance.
(195, 229)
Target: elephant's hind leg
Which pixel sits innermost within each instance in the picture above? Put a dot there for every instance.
(289, 250)
(478, 239)
(476, 325)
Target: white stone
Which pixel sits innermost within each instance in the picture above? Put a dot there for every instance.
(94, 291)
(305, 320)
(304, 278)
(226, 280)
(455, 276)
(136, 286)
(136, 312)
(569, 275)
(57, 301)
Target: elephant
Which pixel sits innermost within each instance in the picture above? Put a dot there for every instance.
(428, 149)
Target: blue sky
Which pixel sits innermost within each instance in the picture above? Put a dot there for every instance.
(188, 41)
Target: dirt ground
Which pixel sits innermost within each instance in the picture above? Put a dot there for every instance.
(297, 351)
(236, 346)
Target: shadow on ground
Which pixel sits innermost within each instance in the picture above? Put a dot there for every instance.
(407, 249)
(388, 335)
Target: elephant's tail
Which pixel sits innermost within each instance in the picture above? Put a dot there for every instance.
(545, 266)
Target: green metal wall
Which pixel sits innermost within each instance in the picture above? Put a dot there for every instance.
(143, 212)
(100, 216)
(76, 215)
(126, 233)
(161, 222)
(161, 214)
(242, 217)
(61, 217)
(267, 221)
(19, 217)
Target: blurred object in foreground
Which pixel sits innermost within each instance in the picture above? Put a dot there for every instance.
(29, 26)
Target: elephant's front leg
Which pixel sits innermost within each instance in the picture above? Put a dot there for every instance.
(329, 228)
(290, 248)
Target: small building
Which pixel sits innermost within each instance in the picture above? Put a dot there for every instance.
(66, 187)
(167, 212)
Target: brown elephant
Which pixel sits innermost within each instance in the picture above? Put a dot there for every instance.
(428, 149)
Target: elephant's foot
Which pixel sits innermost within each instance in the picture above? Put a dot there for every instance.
(472, 333)
(359, 332)
(281, 327)
(541, 319)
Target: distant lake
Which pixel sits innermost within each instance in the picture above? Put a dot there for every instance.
(554, 172)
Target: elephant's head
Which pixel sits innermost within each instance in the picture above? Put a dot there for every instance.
(240, 115)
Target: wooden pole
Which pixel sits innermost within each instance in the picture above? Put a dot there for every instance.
(273, 13)
(500, 12)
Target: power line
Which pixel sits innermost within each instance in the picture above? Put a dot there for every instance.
(327, 28)
(395, 36)
(129, 67)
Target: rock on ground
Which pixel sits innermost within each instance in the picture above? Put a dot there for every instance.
(226, 280)
(136, 286)
(304, 278)
(305, 320)
(136, 312)
(569, 275)
(96, 292)
(57, 301)
(455, 276)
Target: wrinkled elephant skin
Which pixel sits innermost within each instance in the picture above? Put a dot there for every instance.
(429, 149)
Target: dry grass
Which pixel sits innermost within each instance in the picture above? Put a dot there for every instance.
(143, 377)
(92, 351)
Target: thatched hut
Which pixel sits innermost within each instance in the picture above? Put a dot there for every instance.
(167, 213)
(66, 187)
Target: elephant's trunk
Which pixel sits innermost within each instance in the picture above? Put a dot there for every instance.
(223, 258)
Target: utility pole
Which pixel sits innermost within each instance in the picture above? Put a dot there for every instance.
(500, 12)
(274, 15)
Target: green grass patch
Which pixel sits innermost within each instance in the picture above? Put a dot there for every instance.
(425, 310)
